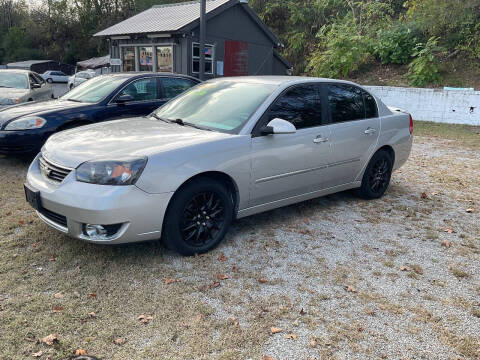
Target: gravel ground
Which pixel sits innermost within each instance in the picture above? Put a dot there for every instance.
(339, 277)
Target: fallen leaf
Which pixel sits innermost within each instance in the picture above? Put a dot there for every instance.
(404, 268)
(92, 295)
(446, 243)
(470, 210)
(167, 281)
(232, 319)
(50, 339)
(222, 277)
(38, 354)
(266, 357)
(8, 213)
(447, 230)
(119, 341)
(92, 315)
(52, 258)
(275, 330)
(262, 280)
(80, 352)
(417, 269)
(21, 222)
(313, 343)
(370, 312)
(58, 295)
(302, 312)
(235, 268)
(145, 318)
(291, 336)
(214, 285)
(424, 195)
(57, 309)
(222, 257)
(349, 288)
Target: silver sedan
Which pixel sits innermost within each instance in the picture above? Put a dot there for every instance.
(19, 86)
(225, 149)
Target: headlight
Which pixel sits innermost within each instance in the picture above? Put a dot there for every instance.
(10, 101)
(108, 172)
(26, 123)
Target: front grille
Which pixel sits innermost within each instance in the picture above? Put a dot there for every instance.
(53, 172)
(56, 218)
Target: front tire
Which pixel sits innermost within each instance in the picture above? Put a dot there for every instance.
(198, 217)
(376, 178)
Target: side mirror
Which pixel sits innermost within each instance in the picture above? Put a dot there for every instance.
(278, 126)
(122, 99)
(36, 86)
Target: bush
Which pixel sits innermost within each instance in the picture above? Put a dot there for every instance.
(344, 53)
(424, 69)
(396, 45)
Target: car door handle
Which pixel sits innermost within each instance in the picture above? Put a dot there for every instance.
(319, 139)
(370, 131)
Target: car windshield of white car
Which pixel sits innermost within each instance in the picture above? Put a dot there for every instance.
(94, 90)
(12, 80)
(223, 106)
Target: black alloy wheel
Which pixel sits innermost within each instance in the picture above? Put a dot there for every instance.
(376, 178)
(198, 217)
(203, 219)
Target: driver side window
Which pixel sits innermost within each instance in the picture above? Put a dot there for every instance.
(33, 81)
(141, 90)
(300, 105)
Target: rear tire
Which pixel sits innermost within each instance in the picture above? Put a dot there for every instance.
(49, 80)
(376, 178)
(198, 217)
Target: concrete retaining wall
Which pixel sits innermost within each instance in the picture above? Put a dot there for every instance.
(444, 106)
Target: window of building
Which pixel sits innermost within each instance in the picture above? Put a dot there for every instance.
(165, 58)
(209, 58)
(346, 103)
(128, 55)
(300, 105)
(146, 58)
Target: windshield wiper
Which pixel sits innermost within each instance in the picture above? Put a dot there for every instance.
(8, 87)
(159, 118)
(184, 123)
(74, 100)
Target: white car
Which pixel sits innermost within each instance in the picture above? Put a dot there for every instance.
(52, 76)
(19, 86)
(79, 78)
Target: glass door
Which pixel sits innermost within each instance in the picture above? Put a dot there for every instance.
(146, 58)
(128, 54)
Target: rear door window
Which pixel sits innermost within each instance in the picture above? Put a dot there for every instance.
(345, 103)
(300, 105)
(175, 86)
(371, 110)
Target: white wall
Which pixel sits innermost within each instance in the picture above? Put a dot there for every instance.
(445, 106)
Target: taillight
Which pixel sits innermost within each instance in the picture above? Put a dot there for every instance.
(411, 124)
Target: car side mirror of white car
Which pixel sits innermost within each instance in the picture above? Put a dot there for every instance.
(278, 126)
(36, 86)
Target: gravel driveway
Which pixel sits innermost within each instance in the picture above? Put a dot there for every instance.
(332, 278)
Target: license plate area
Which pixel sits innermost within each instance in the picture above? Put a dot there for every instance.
(33, 197)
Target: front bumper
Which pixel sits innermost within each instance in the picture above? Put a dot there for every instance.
(69, 205)
(23, 141)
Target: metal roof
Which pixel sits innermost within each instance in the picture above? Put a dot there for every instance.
(162, 18)
(28, 63)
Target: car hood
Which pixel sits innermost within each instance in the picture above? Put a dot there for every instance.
(36, 108)
(9, 93)
(116, 140)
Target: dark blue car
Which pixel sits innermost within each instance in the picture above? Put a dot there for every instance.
(25, 128)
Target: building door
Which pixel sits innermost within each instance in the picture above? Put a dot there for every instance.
(236, 58)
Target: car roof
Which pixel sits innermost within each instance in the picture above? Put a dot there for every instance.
(18, 71)
(278, 80)
(133, 74)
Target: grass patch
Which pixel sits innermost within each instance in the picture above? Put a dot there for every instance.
(465, 135)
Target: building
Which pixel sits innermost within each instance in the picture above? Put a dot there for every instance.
(40, 66)
(166, 38)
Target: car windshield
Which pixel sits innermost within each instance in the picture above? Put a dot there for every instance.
(221, 106)
(12, 80)
(95, 90)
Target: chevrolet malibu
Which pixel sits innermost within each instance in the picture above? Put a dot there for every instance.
(225, 149)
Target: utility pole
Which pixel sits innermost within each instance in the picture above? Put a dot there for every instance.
(203, 30)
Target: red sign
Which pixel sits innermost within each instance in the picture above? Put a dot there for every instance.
(236, 58)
